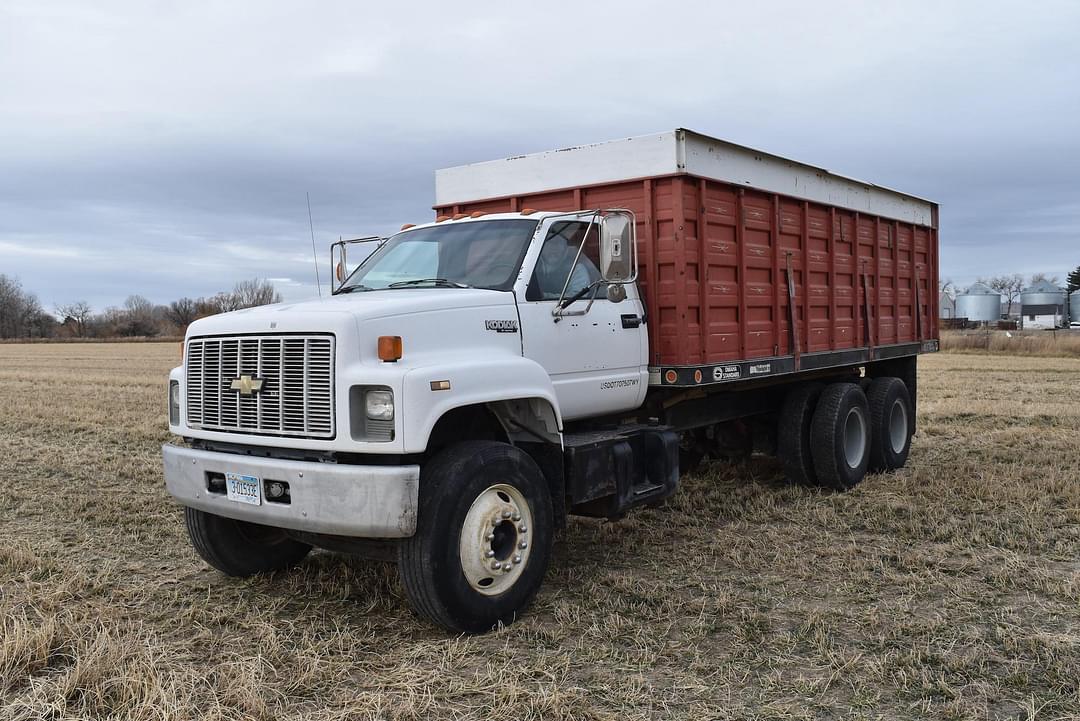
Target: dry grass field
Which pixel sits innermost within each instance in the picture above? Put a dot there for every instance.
(1041, 343)
(950, 590)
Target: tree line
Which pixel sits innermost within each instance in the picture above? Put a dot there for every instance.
(23, 316)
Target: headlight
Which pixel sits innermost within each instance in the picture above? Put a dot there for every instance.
(379, 405)
(174, 403)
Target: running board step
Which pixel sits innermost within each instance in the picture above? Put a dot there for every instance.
(609, 472)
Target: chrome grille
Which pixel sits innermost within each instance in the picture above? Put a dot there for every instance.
(297, 393)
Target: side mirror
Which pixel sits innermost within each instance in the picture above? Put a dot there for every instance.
(618, 247)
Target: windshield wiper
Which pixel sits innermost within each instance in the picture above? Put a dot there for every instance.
(351, 288)
(438, 282)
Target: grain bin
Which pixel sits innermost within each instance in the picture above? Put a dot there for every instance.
(1074, 306)
(979, 303)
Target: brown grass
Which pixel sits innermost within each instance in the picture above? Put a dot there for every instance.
(948, 590)
(1041, 344)
(126, 339)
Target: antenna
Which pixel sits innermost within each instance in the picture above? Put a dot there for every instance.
(315, 255)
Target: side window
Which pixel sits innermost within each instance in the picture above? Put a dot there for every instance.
(556, 262)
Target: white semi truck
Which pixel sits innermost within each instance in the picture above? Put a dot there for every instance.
(478, 378)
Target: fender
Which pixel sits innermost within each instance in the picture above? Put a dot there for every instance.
(472, 381)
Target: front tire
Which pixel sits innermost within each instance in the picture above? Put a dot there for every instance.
(483, 539)
(238, 548)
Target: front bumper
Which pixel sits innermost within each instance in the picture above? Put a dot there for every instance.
(343, 500)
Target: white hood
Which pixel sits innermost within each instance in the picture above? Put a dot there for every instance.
(334, 313)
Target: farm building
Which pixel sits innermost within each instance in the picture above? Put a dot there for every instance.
(946, 305)
(1042, 306)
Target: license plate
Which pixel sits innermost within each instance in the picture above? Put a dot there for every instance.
(243, 489)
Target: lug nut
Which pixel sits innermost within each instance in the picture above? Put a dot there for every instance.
(517, 558)
(490, 554)
(506, 514)
(494, 565)
(523, 544)
(491, 536)
(516, 517)
(507, 566)
(522, 528)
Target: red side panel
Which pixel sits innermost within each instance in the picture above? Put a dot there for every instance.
(714, 262)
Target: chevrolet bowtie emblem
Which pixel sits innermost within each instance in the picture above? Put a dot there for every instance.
(247, 385)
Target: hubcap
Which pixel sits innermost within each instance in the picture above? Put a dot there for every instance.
(495, 545)
(854, 437)
(898, 426)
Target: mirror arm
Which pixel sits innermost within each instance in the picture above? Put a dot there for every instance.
(577, 257)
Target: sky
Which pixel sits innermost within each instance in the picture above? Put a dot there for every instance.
(165, 149)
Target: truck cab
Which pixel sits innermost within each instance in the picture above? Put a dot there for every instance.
(458, 343)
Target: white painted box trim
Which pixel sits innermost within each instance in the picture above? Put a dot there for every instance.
(670, 153)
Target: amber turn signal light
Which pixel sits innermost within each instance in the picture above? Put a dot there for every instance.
(389, 348)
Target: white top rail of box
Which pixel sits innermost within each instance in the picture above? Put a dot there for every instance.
(670, 153)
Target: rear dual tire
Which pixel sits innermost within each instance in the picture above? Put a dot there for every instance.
(840, 436)
(832, 435)
(793, 437)
(892, 423)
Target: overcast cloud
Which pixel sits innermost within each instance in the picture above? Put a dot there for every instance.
(165, 148)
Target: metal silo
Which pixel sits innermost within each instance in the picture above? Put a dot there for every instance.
(979, 303)
(1043, 293)
(1074, 306)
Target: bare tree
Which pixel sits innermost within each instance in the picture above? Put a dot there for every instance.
(1009, 286)
(20, 312)
(139, 317)
(77, 315)
(1044, 278)
(250, 293)
(947, 287)
(183, 312)
(223, 302)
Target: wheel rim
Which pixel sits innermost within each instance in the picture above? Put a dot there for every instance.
(494, 547)
(898, 426)
(854, 437)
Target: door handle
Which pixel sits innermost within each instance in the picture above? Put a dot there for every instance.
(629, 320)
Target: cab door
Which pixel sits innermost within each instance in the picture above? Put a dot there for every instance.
(596, 353)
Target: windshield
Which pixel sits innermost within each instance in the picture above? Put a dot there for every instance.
(478, 254)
